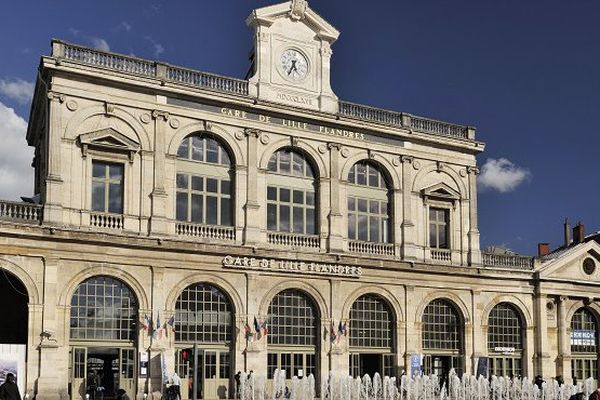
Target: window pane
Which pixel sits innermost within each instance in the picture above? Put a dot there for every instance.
(197, 207)
(362, 227)
(211, 210)
(182, 181)
(115, 200)
(116, 171)
(374, 229)
(211, 185)
(298, 197)
(284, 162)
(284, 195)
(212, 151)
(352, 175)
(298, 164)
(361, 174)
(373, 177)
(352, 226)
(310, 222)
(351, 204)
(225, 157)
(272, 217)
(98, 170)
(362, 205)
(284, 218)
(298, 220)
(197, 183)
(225, 187)
(273, 163)
(197, 148)
(442, 237)
(183, 150)
(226, 211)
(272, 193)
(374, 206)
(98, 196)
(182, 206)
(310, 198)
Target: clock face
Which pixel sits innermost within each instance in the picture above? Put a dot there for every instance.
(294, 65)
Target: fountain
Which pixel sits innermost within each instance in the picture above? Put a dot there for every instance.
(421, 387)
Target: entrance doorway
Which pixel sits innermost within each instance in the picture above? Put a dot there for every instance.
(441, 365)
(101, 371)
(13, 292)
(212, 375)
(362, 364)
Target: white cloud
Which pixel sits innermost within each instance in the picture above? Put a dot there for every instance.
(125, 25)
(17, 89)
(100, 44)
(502, 175)
(157, 47)
(16, 174)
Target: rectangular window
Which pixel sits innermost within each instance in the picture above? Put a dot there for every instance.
(107, 187)
(439, 224)
(203, 200)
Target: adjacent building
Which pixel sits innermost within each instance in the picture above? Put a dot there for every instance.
(263, 224)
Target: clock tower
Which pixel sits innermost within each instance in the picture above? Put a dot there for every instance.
(292, 55)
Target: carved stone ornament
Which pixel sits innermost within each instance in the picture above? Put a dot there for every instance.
(72, 105)
(322, 149)
(473, 170)
(396, 161)
(265, 139)
(252, 132)
(56, 96)
(174, 123)
(109, 108)
(406, 159)
(416, 165)
(108, 140)
(345, 152)
(298, 9)
(239, 135)
(145, 118)
(294, 141)
(439, 166)
(208, 126)
(463, 172)
(160, 114)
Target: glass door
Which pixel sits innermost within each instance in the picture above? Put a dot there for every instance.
(78, 373)
(127, 371)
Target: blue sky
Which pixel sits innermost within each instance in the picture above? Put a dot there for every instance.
(525, 73)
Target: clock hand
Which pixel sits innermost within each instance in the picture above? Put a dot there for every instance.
(293, 67)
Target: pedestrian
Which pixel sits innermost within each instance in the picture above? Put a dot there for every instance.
(177, 384)
(595, 395)
(237, 377)
(577, 396)
(559, 379)
(122, 395)
(9, 389)
(538, 382)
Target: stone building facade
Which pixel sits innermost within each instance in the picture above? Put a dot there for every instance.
(266, 224)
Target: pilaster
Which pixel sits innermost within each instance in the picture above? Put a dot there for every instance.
(53, 212)
(158, 219)
(473, 234)
(336, 220)
(541, 356)
(409, 250)
(252, 209)
(563, 361)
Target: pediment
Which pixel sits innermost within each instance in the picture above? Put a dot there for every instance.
(568, 264)
(295, 10)
(109, 140)
(441, 191)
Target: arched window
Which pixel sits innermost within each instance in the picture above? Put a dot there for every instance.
(371, 337)
(442, 338)
(505, 341)
(204, 182)
(293, 334)
(104, 308)
(204, 317)
(291, 194)
(368, 204)
(584, 345)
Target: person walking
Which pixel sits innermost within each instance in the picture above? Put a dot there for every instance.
(177, 384)
(9, 389)
(595, 395)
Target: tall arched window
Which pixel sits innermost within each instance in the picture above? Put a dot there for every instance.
(204, 182)
(442, 338)
(104, 308)
(371, 337)
(584, 345)
(293, 334)
(291, 194)
(204, 321)
(505, 341)
(368, 204)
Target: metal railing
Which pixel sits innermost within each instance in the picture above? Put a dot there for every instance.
(512, 261)
(21, 212)
(371, 248)
(205, 231)
(293, 240)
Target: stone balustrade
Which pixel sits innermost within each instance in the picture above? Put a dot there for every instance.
(441, 255)
(226, 233)
(21, 212)
(511, 261)
(371, 248)
(106, 221)
(188, 77)
(294, 240)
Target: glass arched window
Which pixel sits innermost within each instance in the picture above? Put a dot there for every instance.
(584, 345)
(291, 194)
(371, 337)
(104, 308)
(293, 333)
(368, 204)
(204, 182)
(442, 338)
(505, 341)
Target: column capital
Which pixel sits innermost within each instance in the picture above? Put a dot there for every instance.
(406, 159)
(334, 146)
(55, 96)
(473, 170)
(157, 114)
(252, 132)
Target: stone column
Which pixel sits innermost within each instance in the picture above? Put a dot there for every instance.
(158, 219)
(329, 102)
(541, 336)
(409, 251)
(479, 330)
(412, 327)
(252, 234)
(52, 198)
(160, 345)
(336, 230)
(255, 351)
(563, 361)
(47, 387)
(474, 250)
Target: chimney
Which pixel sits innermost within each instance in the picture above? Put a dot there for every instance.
(543, 249)
(578, 233)
(567, 230)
